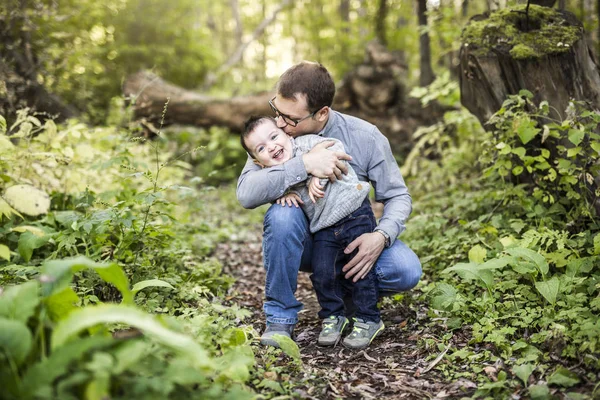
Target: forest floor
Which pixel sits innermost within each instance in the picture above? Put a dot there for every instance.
(395, 366)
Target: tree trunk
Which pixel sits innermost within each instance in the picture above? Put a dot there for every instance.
(19, 69)
(489, 75)
(373, 91)
(427, 75)
(380, 31)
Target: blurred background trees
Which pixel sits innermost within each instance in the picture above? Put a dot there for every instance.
(78, 52)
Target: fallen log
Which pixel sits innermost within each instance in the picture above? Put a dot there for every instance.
(374, 91)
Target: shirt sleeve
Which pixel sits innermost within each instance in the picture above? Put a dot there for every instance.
(390, 189)
(257, 186)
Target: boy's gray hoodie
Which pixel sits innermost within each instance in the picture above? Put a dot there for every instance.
(342, 197)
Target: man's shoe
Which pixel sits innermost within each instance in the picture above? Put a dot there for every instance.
(276, 329)
(332, 330)
(362, 334)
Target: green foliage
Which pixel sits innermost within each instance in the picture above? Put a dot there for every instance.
(512, 250)
(559, 159)
(119, 214)
(36, 358)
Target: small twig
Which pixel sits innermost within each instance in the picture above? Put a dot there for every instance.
(435, 362)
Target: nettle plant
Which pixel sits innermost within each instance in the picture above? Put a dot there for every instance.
(557, 159)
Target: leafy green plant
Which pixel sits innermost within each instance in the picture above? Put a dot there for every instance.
(45, 336)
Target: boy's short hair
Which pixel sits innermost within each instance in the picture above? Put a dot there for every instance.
(311, 79)
(249, 126)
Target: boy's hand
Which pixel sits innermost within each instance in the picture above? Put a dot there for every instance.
(289, 199)
(315, 189)
(324, 163)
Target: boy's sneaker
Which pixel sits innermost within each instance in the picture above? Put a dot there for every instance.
(332, 330)
(276, 329)
(362, 333)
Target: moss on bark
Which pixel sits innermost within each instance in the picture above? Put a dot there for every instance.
(548, 31)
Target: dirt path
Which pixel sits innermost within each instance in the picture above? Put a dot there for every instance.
(393, 367)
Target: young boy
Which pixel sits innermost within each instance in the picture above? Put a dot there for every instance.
(338, 213)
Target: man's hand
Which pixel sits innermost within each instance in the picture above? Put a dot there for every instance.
(315, 189)
(289, 199)
(324, 163)
(370, 246)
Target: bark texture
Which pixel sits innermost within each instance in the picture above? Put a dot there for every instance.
(487, 79)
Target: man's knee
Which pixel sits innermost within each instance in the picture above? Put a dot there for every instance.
(285, 220)
(399, 269)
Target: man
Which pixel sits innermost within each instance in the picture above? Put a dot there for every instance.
(302, 105)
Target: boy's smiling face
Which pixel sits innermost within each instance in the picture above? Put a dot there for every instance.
(269, 145)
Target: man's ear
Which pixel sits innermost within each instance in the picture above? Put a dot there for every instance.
(322, 114)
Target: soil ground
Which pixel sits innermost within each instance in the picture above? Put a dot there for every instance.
(393, 367)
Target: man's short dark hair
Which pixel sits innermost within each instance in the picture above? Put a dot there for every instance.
(249, 126)
(311, 79)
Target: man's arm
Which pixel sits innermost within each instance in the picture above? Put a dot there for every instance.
(384, 174)
(390, 188)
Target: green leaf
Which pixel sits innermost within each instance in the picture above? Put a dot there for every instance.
(563, 377)
(524, 372)
(150, 283)
(519, 151)
(6, 210)
(443, 296)
(495, 263)
(576, 136)
(530, 255)
(526, 130)
(596, 147)
(15, 339)
(288, 346)
(539, 392)
(597, 245)
(4, 252)
(41, 375)
(2, 125)
(19, 302)
(57, 275)
(28, 242)
(90, 316)
(572, 152)
(60, 304)
(235, 363)
(477, 254)
(467, 270)
(549, 289)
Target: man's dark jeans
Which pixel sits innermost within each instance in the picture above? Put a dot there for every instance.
(328, 260)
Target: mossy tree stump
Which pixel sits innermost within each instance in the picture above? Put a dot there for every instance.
(548, 55)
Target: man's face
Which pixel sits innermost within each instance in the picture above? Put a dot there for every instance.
(269, 145)
(297, 109)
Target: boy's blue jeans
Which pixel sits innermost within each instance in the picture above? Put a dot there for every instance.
(287, 249)
(329, 258)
